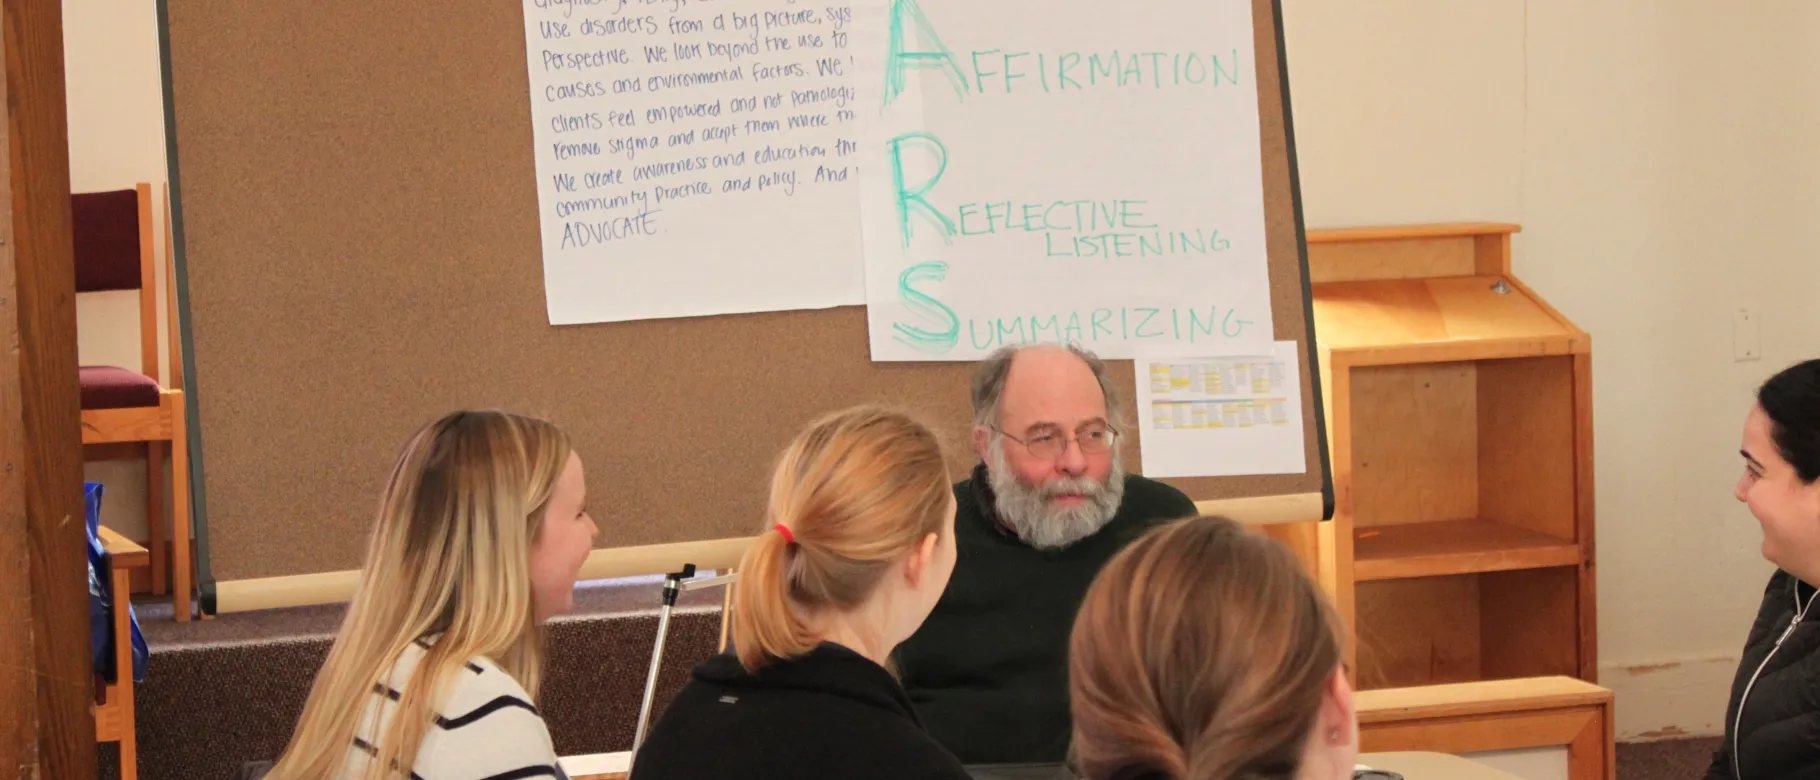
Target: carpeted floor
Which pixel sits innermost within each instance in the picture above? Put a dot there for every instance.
(1673, 759)
(227, 691)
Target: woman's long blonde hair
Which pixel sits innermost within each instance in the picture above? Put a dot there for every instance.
(1201, 652)
(449, 555)
(858, 490)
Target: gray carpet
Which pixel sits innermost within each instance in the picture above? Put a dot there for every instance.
(227, 691)
(1673, 759)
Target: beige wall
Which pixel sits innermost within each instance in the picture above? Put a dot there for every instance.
(116, 129)
(1672, 178)
(1660, 155)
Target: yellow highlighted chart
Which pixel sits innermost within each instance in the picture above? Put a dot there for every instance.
(1245, 413)
(1221, 416)
(1233, 376)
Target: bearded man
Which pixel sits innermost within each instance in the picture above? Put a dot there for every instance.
(1047, 506)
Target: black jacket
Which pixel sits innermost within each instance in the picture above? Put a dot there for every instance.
(988, 669)
(1778, 737)
(829, 715)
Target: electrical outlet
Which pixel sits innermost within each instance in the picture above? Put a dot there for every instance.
(1745, 342)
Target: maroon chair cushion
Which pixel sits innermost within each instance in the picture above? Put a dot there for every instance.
(106, 231)
(107, 387)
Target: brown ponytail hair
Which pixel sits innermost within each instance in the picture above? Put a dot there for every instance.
(1201, 652)
(858, 490)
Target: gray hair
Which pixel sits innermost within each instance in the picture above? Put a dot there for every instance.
(989, 382)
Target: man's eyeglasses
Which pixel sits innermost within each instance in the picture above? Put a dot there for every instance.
(1050, 445)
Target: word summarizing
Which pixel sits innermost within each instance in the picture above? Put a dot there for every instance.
(672, 136)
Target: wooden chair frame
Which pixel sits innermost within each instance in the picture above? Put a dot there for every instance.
(114, 718)
(113, 434)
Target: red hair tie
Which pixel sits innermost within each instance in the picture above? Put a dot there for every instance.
(789, 538)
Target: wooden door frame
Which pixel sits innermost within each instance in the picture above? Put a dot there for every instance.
(46, 676)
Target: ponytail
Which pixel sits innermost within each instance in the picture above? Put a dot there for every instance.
(855, 492)
(1160, 682)
(765, 625)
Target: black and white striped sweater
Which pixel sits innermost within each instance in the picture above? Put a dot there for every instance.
(486, 726)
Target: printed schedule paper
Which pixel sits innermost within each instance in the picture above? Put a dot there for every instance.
(1221, 416)
(693, 157)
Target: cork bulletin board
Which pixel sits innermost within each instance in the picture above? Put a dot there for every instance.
(359, 237)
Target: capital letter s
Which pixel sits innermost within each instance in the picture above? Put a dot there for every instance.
(948, 326)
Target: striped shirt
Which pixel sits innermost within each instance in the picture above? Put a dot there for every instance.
(486, 727)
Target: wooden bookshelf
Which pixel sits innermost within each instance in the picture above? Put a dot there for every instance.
(1542, 714)
(1459, 416)
(1446, 547)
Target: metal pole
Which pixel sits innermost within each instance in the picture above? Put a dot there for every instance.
(672, 585)
(657, 655)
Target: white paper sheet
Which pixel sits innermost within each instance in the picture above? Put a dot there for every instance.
(694, 157)
(1061, 170)
(1221, 416)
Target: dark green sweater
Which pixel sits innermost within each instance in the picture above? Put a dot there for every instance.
(988, 671)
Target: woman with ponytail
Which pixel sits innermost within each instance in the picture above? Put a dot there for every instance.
(480, 534)
(857, 546)
(1204, 652)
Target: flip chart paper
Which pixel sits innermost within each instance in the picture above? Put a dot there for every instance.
(693, 157)
(1061, 171)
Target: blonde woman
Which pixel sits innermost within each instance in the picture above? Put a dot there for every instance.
(857, 547)
(481, 533)
(1204, 652)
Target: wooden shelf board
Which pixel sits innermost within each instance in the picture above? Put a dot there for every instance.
(1450, 318)
(1395, 232)
(1454, 547)
(1489, 697)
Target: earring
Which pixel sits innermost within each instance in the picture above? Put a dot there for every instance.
(1333, 736)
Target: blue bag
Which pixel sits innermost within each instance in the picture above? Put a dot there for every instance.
(101, 601)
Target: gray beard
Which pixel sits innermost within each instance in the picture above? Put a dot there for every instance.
(1026, 510)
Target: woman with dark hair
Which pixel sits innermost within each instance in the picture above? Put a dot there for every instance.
(1772, 727)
